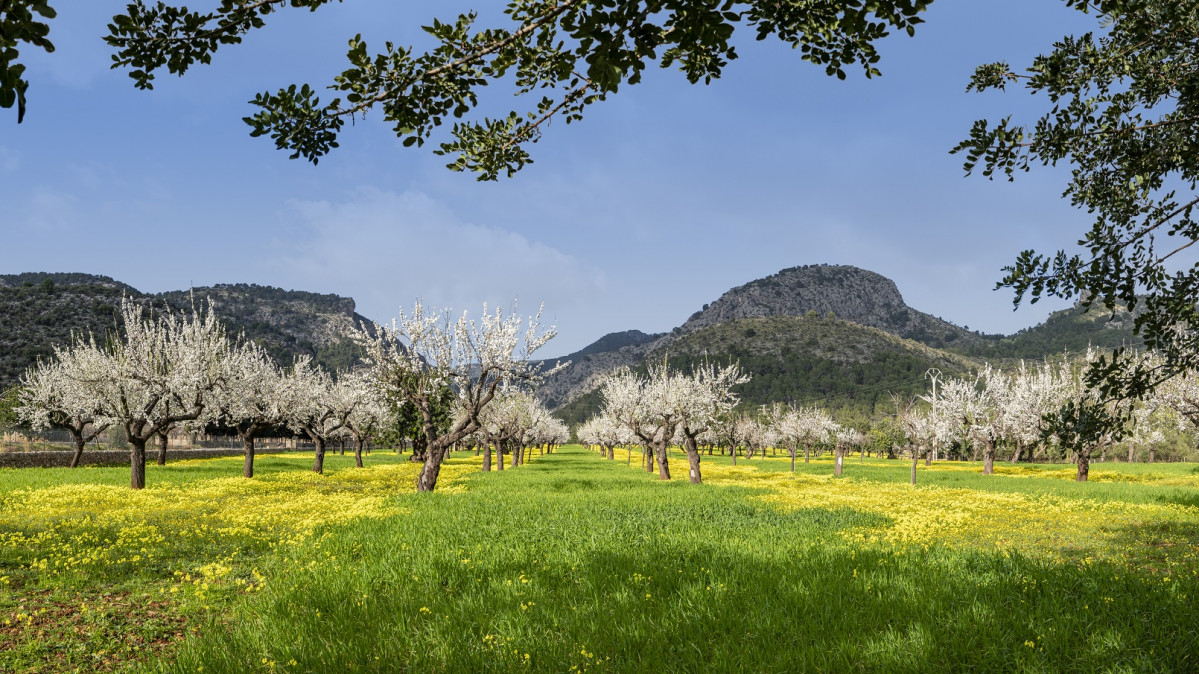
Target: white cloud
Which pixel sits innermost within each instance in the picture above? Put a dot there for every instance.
(387, 249)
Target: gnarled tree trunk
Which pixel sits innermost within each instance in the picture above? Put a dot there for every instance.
(162, 448)
(318, 466)
(1084, 465)
(79, 443)
(427, 479)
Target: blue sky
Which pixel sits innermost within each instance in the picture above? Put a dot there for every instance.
(661, 199)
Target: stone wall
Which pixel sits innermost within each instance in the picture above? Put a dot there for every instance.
(117, 457)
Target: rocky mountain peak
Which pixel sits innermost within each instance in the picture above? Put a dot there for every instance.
(852, 294)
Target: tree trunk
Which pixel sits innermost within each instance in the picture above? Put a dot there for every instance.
(807, 454)
(928, 459)
(792, 462)
(838, 459)
(733, 453)
(499, 455)
(137, 462)
(611, 452)
(247, 443)
(318, 466)
(1151, 452)
(915, 460)
(1084, 466)
(79, 443)
(1019, 451)
(432, 468)
(162, 448)
(486, 457)
(358, 452)
(1131, 448)
(989, 457)
(663, 462)
(516, 455)
(628, 461)
(692, 459)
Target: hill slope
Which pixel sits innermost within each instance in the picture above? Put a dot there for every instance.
(41, 310)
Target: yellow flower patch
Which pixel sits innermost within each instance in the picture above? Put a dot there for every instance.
(84, 528)
(1157, 537)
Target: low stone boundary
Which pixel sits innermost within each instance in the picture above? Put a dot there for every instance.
(115, 457)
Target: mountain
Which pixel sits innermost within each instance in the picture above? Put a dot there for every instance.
(849, 368)
(850, 293)
(839, 336)
(39, 310)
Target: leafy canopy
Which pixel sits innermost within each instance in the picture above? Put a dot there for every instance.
(1124, 114)
(561, 55)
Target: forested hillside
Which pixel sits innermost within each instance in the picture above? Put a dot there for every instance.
(38, 311)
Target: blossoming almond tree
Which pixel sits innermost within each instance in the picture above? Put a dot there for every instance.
(420, 354)
(50, 395)
(163, 370)
(975, 406)
(703, 396)
(636, 403)
(368, 411)
(256, 399)
(843, 438)
(319, 406)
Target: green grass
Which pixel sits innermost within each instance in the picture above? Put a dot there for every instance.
(577, 563)
(574, 563)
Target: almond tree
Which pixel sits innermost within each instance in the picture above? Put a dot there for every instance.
(925, 428)
(703, 397)
(755, 435)
(974, 405)
(367, 411)
(50, 396)
(800, 427)
(506, 421)
(843, 438)
(421, 354)
(257, 398)
(591, 433)
(815, 426)
(645, 406)
(318, 406)
(163, 370)
(1031, 393)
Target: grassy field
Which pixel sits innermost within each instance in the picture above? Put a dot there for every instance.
(576, 563)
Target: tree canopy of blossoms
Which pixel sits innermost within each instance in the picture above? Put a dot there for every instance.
(420, 354)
